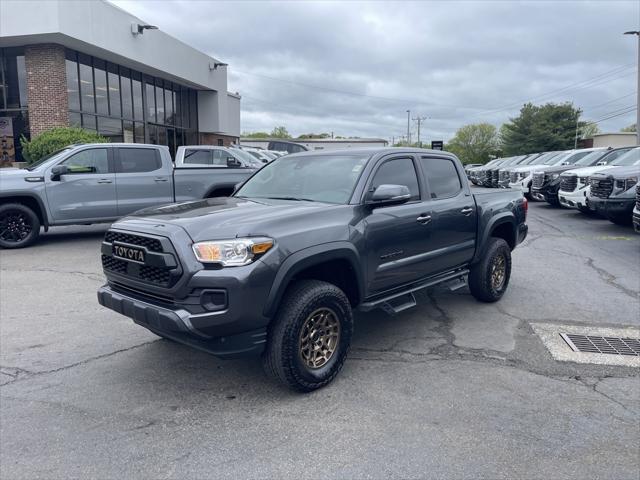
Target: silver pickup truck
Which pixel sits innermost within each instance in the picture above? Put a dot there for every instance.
(95, 183)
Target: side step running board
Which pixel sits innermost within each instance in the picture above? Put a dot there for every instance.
(403, 300)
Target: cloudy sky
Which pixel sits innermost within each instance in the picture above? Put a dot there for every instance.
(354, 68)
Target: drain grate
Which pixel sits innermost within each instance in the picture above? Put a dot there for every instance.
(608, 345)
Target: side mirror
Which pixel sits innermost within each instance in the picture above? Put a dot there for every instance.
(233, 162)
(58, 171)
(601, 163)
(389, 195)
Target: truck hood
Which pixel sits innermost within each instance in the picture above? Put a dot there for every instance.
(557, 169)
(13, 172)
(225, 218)
(528, 168)
(623, 172)
(586, 171)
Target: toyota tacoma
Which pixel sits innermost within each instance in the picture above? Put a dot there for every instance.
(278, 268)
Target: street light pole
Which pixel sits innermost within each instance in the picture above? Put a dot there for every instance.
(637, 33)
(408, 128)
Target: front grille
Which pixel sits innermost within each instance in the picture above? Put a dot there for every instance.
(638, 196)
(113, 264)
(161, 276)
(568, 183)
(538, 180)
(601, 187)
(513, 178)
(503, 176)
(495, 178)
(152, 244)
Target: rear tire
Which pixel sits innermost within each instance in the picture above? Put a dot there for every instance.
(310, 336)
(623, 221)
(489, 278)
(19, 226)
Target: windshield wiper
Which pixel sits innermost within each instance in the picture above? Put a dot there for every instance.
(296, 199)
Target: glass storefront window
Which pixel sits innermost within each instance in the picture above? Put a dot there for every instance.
(114, 91)
(101, 93)
(137, 98)
(87, 99)
(73, 85)
(110, 128)
(151, 103)
(122, 105)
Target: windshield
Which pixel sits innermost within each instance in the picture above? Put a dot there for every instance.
(314, 178)
(571, 158)
(247, 157)
(591, 159)
(632, 157)
(557, 159)
(57, 154)
(541, 158)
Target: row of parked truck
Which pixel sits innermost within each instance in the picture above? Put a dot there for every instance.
(601, 181)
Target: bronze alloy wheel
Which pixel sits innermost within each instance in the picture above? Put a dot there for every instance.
(319, 338)
(498, 272)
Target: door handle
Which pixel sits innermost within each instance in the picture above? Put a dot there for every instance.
(104, 180)
(466, 211)
(424, 219)
(160, 179)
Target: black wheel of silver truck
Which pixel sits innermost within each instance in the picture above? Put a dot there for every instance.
(310, 336)
(19, 226)
(489, 278)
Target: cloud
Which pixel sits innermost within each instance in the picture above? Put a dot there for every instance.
(354, 68)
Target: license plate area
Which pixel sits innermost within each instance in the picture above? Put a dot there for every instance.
(129, 253)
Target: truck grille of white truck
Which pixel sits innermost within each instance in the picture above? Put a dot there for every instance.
(568, 183)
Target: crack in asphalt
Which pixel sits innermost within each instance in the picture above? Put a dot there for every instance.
(610, 279)
(29, 374)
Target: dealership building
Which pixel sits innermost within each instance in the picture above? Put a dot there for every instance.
(91, 64)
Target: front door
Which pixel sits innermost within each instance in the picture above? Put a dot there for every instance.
(87, 192)
(396, 236)
(142, 181)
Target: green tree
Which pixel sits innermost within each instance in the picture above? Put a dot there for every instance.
(56, 139)
(541, 128)
(255, 135)
(630, 128)
(475, 143)
(589, 130)
(306, 136)
(280, 132)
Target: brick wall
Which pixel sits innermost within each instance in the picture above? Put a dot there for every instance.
(46, 87)
(213, 139)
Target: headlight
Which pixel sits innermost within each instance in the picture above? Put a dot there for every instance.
(583, 180)
(232, 253)
(630, 182)
(554, 176)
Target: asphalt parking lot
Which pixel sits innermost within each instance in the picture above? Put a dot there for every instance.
(450, 389)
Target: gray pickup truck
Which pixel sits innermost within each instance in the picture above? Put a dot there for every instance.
(94, 183)
(277, 268)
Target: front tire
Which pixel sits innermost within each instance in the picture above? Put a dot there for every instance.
(19, 226)
(309, 338)
(489, 278)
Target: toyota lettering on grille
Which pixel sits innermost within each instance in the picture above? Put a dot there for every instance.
(131, 254)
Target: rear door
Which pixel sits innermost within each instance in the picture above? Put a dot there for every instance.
(88, 191)
(454, 214)
(396, 235)
(141, 179)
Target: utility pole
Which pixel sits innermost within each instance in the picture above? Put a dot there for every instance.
(408, 127)
(419, 120)
(575, 143)
(637, 33)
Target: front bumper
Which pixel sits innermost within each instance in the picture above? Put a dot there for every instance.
(612, 208)
(522, 185)
(575, 199)
(523, 230)
(180, 325)
(636, 220)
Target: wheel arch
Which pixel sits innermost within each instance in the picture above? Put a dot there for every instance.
(32, 201)
(336, 262)
(501, 226)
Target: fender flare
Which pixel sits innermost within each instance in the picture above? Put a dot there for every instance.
(494, 222)
(309, 257)
(43, 210)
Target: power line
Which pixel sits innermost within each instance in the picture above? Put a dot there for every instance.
(628, 110)
(611, 101)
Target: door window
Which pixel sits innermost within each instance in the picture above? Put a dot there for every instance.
(137, 160)
(198, 157)
(399, 171)
(94, 160)
(442, 177)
